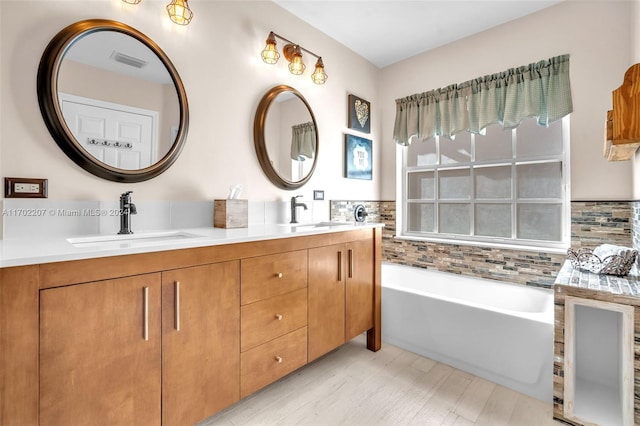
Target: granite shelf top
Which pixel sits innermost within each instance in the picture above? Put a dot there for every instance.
(622, 286)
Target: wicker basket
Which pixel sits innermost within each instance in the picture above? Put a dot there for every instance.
(615, 264)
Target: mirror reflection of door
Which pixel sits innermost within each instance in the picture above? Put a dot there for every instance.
(282, 128)
(127, 88)
(118, 135)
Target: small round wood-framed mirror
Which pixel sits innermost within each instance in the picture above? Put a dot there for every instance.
(112, 100)
(285, 136)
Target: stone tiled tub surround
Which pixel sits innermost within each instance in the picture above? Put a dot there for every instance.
(597, 287)
(592, 223)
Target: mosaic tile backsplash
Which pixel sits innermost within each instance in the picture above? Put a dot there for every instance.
(592, 224)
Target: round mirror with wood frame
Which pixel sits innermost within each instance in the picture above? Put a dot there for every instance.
(163, 140)
(288, 155)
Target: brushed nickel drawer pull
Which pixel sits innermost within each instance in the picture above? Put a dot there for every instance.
(279, 275)
(145, 326)
(350, 263)
(177, 307)
(279, 359)
(279, 317)
(340, 265)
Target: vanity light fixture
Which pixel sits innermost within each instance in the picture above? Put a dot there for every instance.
(179, 12)
(292, 53)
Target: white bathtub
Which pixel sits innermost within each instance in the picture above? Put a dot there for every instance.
(498, 331)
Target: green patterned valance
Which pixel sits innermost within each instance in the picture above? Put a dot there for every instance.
(540, 90)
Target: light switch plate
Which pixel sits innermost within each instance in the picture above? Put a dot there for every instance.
(25, 187)
(318, 194)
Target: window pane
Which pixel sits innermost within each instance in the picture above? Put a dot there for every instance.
(455, 219)
(420, 217)
(493, 220)
(457, 150)
(540, 222)
(422, 185)
(542, 180)
(422, 153)
(495, 145)
(493, 182)
(454, 184)
(533, 140)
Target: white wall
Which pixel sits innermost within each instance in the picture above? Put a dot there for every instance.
(217, 57)
(597, 35)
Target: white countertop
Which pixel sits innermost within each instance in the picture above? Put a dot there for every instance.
(31, 251)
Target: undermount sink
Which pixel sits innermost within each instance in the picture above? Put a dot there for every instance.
(130, 240)
(317, 225)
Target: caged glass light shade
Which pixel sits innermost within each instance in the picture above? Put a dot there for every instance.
(179, 12)
(319, 76)
(296, 66)
(270, 54)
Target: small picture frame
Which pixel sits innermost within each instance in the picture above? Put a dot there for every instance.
(358, 158)
(359, 116)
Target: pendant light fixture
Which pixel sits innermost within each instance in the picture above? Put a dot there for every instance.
(293, 54)
(179, 12)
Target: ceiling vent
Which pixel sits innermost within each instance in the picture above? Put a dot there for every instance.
(128, 60)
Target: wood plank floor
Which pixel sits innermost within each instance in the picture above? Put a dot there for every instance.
(354, 386)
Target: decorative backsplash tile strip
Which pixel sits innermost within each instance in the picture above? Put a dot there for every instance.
(596, 222)
(635, 224)
(593, 223)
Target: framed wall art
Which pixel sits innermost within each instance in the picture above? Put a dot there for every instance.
(359, 114)
(357, 157)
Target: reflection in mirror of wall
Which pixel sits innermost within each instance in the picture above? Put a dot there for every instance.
(112, 100)
(286, 138)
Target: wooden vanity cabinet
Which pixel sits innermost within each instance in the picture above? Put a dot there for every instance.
(341, 294)
(273, 318)
(173, 337)
(200, 341)
(100, 353)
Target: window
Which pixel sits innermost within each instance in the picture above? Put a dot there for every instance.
(507, 187)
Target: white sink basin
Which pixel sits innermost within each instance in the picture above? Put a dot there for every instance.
(131, 240)
(317, 225)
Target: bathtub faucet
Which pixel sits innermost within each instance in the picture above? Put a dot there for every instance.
(295, 204)
(127, 208)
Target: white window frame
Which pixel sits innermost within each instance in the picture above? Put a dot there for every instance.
(402, 173)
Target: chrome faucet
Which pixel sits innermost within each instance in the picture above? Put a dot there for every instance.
(295, 204)
(127, 208)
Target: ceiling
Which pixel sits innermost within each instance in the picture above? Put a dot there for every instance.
(388, 31)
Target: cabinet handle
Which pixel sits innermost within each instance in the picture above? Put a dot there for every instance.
(340, 266)
(279, 359)
(177, 307)
(279, 317)
(145, 326)
(350, 263)
(279, 275)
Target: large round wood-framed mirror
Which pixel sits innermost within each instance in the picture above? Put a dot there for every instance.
(285, 136)
(112, 100)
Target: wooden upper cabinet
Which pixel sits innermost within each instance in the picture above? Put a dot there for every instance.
(623, 121)
(200, 341)
(100, 354)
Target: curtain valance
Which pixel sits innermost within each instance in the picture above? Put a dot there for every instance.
(303, 141)
(540, 90)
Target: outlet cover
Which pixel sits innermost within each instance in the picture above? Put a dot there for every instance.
(25, 187)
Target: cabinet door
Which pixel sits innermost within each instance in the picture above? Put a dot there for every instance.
(100, 353)
(359, 288)
(326, 299)
(200, 341)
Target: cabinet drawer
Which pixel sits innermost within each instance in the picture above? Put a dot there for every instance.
(268, 276)
(265, 320)
(267, 363)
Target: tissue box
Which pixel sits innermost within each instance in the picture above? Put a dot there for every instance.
(230, 213)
